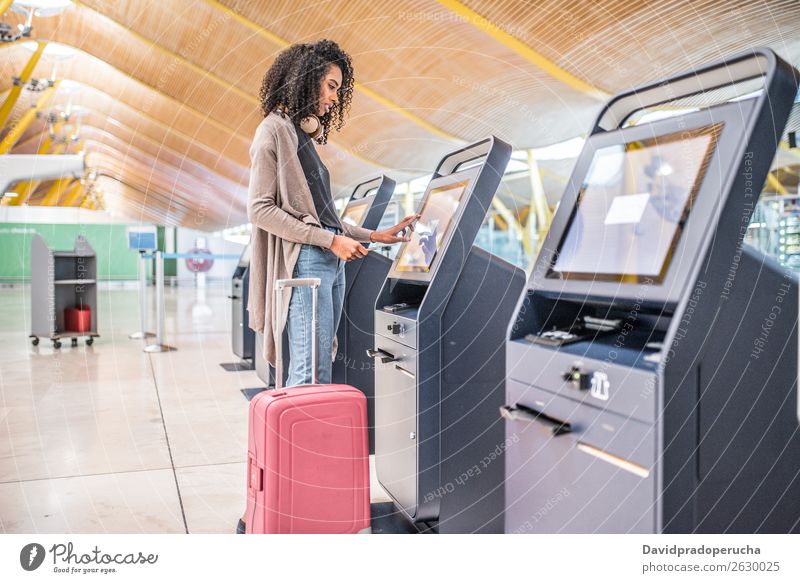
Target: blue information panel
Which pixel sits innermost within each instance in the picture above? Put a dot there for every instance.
(142, 239)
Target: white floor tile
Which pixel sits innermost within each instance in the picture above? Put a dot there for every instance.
(213, 497)
(137, 502)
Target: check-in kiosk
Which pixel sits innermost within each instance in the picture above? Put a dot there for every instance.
(652, 362)
(363, 280)
(243, 339)
(440, 323)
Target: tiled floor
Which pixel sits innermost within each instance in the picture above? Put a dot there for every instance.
(109, 439)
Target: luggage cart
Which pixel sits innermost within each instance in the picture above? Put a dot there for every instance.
(59, 280)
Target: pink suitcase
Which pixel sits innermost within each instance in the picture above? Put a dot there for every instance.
(307, 454)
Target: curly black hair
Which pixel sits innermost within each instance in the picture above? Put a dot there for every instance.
(294, 79)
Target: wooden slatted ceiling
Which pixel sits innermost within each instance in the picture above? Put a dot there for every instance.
(443, 69)
(94, 127)
(102, 38)
(200, 33)
(125, 139)
(94, 73)
(616, 44)
(203, 148)
(235, 104)
(169, 111)
(131, 201)
(201, 200)
(185, 73)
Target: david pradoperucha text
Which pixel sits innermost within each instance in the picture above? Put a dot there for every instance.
(700, 550)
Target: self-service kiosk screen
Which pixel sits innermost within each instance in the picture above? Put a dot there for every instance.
(430, 230)
(632, 206)
(354, 213)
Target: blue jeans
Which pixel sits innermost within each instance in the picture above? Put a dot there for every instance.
(322, 263)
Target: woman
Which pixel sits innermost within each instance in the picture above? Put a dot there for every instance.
(296, 230)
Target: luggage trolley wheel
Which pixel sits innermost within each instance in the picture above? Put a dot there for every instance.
(89, 341)
(56, 343)
(35, 341)
(74, 342)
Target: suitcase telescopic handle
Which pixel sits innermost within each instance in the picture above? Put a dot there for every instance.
(280, 285)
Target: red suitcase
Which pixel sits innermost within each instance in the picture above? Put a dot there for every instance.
(307, 453)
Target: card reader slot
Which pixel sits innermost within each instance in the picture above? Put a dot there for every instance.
(522, 413)
(382, 354)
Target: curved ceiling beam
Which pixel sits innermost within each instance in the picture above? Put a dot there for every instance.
(61, 35)
(198, 70)
(133, 202)
(238, 151)
(180, 106)
(93, 132)
(165, 201)
(127, 135)
(198, 196)
(366, 91)
(132, 117)
(140, 122)
(165, 205)
(188, 176)
(91, 135)
(169, 172)
(533, 57)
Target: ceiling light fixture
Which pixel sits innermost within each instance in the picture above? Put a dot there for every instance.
(31, 8)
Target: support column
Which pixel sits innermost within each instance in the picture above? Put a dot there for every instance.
(24, 77)
(539, 211)
(26, 120)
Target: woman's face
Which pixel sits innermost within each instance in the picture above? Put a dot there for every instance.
(328, 92)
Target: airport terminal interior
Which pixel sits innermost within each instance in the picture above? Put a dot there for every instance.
(592, 328)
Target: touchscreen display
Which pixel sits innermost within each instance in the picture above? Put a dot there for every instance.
(354, 213)
(632, 207)
(430, 230)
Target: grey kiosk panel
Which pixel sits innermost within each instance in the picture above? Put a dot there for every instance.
(439, 354)
(243, 338)
(640, 397)
(363, 280)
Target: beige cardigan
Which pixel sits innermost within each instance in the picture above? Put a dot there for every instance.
(284, 218)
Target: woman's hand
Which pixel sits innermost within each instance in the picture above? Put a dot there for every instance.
(347, 249)
(393, 234)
